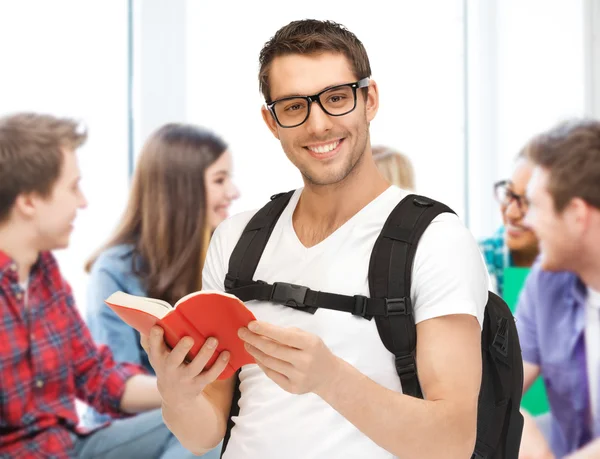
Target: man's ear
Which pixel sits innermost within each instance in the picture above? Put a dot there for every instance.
(270, 121)
(25, 204)
(372, 101)
(579, 214)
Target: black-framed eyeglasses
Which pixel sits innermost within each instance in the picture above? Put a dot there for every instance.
(505, 195)
(338, 100)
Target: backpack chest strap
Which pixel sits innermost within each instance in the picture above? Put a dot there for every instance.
(305, 299)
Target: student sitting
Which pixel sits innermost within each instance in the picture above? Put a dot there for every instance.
(48, 357)
(181, 191)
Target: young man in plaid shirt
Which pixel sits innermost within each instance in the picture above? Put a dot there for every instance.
(47, 356)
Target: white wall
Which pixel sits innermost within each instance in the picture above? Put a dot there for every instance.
(591, 13)
(159, 63)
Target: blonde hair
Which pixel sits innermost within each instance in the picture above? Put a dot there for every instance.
(395, 167)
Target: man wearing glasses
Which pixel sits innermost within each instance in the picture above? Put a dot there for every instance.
(325, 386)
(514, 244)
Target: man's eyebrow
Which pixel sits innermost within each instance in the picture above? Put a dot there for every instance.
(318, 92)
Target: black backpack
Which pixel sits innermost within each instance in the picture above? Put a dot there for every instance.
(499, 421)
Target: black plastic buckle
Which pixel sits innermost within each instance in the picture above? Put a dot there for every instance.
(405, 365)
(289, 294)
(397, 306)
(360, 306)
(230, 282)
(422, 202)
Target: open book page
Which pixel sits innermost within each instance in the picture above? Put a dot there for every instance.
(203, 292)
(153, 306)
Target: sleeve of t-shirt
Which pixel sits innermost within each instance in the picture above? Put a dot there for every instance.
(525, 317)
(213, 272)
(449, 275)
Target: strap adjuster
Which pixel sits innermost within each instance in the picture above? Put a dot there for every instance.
(360, 306)
(230, 282)
(289, 294)
(500, 342)
(405, 364)
(397, 306)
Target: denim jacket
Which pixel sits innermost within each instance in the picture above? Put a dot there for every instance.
(113, 271)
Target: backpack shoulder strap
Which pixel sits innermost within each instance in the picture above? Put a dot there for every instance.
(242, 266)
(246, 254)
(390, 274)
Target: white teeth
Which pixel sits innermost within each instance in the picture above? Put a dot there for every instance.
(325, 148)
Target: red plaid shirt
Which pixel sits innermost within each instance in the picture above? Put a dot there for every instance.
(47, 360)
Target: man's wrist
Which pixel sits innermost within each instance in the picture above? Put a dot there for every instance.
(331, 383)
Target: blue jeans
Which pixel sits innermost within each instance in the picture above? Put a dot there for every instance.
(144, 436)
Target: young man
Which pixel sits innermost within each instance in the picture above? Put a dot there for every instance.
(558, 315)
(47, 356)
(325, 385)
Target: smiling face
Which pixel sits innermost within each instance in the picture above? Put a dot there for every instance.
(326, 149)
(559, 236)
(220, 190)
(518, 236)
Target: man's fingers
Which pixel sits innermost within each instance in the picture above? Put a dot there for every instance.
(180, 351)
(157, 348)
(269, 346)
(279, 379)
(213, 373)
(268, 361)
(292, 337)
(145, 343)
(196, 366)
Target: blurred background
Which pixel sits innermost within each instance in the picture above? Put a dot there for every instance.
(463, 85)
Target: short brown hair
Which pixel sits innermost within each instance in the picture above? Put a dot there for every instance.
(31, 154)
(571, 154)
(311, 36)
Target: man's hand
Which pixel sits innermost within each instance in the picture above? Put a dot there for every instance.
(533, 443)
(178, 382)
(297, 361)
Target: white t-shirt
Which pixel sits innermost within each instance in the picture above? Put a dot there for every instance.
(592, 344)
(449, 277)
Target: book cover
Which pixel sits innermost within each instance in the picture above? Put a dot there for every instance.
(200, 315)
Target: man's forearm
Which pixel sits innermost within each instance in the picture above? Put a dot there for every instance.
(403, 425)
(141, 394)
(197, 425)
(589, 451)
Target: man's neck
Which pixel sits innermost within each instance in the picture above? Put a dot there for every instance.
(524, 258)
(591, 277)
(588, 268)
(15, 243)
(323, 209)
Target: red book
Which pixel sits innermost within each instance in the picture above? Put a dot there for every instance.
(199, 315)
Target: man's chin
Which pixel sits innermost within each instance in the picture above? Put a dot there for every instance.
(547, 264)
(60, 244)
